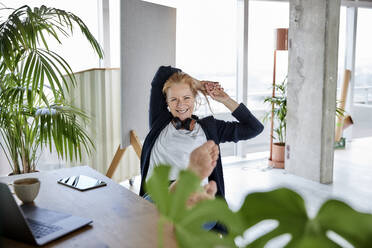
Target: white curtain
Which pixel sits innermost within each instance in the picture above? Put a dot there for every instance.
(98, 93)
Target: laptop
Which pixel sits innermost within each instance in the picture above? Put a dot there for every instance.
(31, 224)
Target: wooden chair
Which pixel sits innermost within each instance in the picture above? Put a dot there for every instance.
(137, 146)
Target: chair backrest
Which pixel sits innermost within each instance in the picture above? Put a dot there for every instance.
(137, 146)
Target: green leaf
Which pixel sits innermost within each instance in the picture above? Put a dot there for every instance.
(187, 184)
(157, 188)
(352, 225)
(282, 205)
(191, 225)
(188, 222)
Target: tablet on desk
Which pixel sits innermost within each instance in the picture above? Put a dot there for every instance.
(82, 182)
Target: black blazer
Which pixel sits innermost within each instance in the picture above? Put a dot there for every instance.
(219, 131)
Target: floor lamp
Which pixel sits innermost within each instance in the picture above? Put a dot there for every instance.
(281, 36)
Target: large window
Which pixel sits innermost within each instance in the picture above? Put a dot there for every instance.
(207, 49)
(115, 33)
(341, 50)
(206, 43)
(264, 18)
(76, 50)
(363, 58)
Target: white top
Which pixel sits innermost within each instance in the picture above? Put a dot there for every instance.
(173, 147)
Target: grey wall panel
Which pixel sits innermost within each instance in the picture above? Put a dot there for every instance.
(148, 40)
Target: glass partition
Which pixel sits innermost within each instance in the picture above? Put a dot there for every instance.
(363, 58)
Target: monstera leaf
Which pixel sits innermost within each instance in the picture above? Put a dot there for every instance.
(189, 223)
(282, 205)
(288, 208)
(353, 226)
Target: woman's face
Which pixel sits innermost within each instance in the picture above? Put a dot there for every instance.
(180, 100)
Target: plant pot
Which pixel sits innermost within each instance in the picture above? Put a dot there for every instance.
(277, 160)
(348, 121)
(12, 173)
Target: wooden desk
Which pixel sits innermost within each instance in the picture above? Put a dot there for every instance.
(120, 217)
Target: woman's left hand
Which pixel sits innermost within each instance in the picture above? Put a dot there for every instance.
(216, 92)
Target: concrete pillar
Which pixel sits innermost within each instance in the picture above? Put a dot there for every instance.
(312, 82)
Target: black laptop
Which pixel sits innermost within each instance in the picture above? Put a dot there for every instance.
(31, 224)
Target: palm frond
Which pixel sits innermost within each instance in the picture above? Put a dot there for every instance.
(33, 86)
(22, 41)
(68, 134)
(279, 102)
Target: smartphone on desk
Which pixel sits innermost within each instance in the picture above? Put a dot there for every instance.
(82, 182)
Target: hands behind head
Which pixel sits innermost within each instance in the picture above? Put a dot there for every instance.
(214, 90)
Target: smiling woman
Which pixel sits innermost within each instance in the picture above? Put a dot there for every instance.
(176, 132)
(181, 93)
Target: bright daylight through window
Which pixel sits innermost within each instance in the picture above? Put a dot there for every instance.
(363, 58)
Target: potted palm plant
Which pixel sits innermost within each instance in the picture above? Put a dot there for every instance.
(279, 113)
(34, 112)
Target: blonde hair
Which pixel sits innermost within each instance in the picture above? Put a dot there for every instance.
(184, 78)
